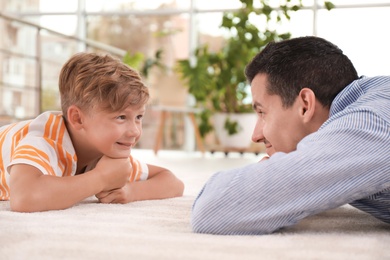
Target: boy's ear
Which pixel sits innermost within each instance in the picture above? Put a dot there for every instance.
(75, 117)
(307, 107)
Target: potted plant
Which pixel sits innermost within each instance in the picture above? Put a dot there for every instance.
(217, 80)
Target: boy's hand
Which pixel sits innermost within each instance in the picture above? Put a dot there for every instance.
(121, 195)
(114, 173)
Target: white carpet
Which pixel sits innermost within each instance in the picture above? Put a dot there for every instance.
(160, 229)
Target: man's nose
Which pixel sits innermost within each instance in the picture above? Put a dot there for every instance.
(257, 135)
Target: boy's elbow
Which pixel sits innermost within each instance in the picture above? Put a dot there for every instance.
(179, 188)
(175, 189)
(19, 204)
(31, 202)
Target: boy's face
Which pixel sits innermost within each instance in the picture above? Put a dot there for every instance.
(279, 128)
(114, 133)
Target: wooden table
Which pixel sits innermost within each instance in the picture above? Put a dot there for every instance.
(165, 112)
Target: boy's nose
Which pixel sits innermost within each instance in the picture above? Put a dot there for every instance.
(133, 130)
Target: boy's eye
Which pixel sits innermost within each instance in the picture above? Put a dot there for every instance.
(122, 117)
(139, 117)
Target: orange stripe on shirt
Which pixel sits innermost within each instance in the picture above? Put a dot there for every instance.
(63, 160)
(139, 173)
(68, 163)
(4, 189)
(37, 160)
(54, 130)
(135, 169)
(2, 139)
(49, 122)
(132, 175)
(31, 150)
(31, 153)
(4, 133)
(17, 136)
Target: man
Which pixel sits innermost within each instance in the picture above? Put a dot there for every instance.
(330, 131)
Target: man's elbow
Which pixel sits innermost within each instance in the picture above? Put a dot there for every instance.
(219, 220)
(209, 219)
(202, 222)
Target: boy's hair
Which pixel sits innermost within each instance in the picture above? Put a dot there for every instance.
(90, 80)
(304, 62)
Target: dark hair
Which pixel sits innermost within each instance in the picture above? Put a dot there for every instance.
(304, 62)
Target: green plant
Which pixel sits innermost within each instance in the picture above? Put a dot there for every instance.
(216, 79)
(142, 64)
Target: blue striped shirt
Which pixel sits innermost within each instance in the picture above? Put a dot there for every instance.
(346, 161)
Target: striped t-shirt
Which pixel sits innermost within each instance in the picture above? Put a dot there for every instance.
(44, 143)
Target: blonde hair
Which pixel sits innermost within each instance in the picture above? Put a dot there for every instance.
(90, 80)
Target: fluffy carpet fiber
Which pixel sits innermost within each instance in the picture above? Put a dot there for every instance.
(160, 229)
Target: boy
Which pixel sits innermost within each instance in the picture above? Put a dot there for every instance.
(58, 159)
(330, 131)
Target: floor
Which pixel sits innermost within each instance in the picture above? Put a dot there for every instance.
(203, 165)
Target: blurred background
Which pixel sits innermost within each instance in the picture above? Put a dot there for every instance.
(38, 36)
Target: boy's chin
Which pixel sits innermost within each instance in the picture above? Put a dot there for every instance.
(118, 155)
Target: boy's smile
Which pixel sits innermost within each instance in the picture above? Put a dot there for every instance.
(115, 133)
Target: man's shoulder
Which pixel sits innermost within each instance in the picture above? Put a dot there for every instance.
(368, 83)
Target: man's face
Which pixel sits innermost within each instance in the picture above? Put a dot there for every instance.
(279, 128)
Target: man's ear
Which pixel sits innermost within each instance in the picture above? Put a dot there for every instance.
(307, 107)
(75, 117)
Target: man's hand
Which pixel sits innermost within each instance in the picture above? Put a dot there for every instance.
(264, 158)
(114, 173)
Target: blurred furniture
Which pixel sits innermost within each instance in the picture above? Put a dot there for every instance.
(165, 113)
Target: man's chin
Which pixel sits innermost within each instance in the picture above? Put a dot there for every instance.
(270, 151)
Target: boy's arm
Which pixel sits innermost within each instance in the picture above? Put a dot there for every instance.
(32, 191)
(161, 184)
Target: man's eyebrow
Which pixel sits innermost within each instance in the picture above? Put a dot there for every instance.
(256, 105)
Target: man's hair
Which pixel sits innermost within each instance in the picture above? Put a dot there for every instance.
(304, 62)
(90, 80)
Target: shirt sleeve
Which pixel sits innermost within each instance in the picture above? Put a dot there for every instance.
(140, 170)
(346, 160)
(38, 153)
(377, 205)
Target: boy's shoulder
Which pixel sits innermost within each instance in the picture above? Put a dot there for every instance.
(46, 121)
(48, 124)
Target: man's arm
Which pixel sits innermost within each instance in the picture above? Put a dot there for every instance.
(377, 205)
(161, 184)
(337, 165)
(33, 191)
